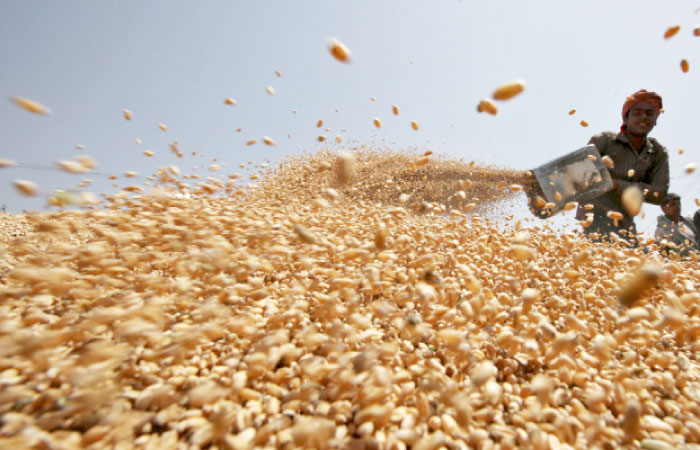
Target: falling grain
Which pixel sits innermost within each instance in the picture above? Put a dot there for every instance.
(487, 106)
(30, 105)
(671, 31)
(608, 162)
(685, 66)
(339, 50)
(71, 166)
(639, 285)
(28, 188)
(509, 90)
(632, 199)
(345, 167)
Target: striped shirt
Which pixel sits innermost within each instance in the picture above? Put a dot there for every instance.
(647, 169)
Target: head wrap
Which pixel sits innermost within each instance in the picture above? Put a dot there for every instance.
(640, 96)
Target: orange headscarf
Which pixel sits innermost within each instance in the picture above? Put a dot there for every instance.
(640, 96)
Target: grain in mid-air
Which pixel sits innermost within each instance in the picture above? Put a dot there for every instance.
(671, 31)
(487, 106)
(30, 105)
(339, 50)
(509, 90)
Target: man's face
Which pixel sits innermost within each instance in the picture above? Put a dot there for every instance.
(672, 209)
(641, 119)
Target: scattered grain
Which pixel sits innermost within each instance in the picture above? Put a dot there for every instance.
(671, 31)
(608, 162)
(339, 50)
(28, 188)
(509, 90)
(486, 105)
(30, 105)
(632, 198)
(685, 66)
(6, 163)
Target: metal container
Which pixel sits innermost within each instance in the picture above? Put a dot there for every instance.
(579, 176)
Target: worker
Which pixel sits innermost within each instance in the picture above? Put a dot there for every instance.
(638, 160)
(673, 231)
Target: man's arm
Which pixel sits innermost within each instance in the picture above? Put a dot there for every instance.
(656, 189)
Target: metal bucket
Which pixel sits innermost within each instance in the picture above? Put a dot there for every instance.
(579, 177)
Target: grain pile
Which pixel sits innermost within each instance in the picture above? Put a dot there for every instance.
(13, 226)
(310, 312)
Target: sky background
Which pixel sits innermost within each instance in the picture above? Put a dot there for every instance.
(174, 62)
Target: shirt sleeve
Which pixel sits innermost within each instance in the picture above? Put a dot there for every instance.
(662, 237)
(657, 187)
(659, 234)
(600, 140)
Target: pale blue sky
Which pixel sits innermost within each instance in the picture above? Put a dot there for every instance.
(175, 61)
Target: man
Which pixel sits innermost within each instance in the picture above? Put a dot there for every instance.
(638, 160)
(673, 231)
